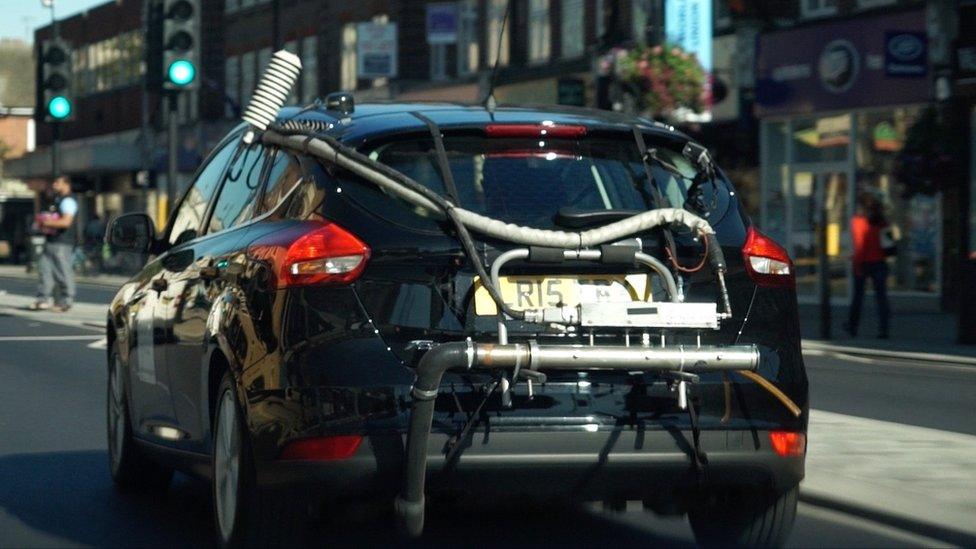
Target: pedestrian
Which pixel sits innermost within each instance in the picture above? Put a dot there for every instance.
(57, 222)
(873, 243)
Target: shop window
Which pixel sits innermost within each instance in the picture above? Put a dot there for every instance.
(775, 180)
(914, 214)
(825, 139)
(540, 36)
(818, 8)
(468, 49)
(498, 41)
(572, 42)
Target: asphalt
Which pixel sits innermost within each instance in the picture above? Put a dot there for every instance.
(55, 488)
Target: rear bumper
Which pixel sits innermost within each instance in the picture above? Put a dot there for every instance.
(586, 465)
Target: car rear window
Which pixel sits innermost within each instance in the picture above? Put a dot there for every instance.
(527, 181)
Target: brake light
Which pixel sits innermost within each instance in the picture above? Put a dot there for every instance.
(788, 443)
(546, 129)
(315, 253)
(767, 262)
(322, 449)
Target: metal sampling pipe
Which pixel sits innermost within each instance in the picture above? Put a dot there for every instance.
(409, 504)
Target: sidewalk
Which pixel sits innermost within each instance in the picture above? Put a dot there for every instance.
(90, 316)
(917, 478)
(915, 334)
(107, 280)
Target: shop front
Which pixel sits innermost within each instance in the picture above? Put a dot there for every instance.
(838, 101)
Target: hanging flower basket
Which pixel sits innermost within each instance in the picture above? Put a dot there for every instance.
(666, 78)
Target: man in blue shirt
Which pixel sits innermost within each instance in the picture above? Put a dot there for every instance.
(55, 263)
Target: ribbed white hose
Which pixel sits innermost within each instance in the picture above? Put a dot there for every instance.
(276, 83)
(518, 234)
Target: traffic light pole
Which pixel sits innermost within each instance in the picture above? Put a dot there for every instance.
(56, 150)
(172, 146)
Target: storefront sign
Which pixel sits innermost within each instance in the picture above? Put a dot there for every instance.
(376, 50)
(442, 23)
(688, 23)
(839, 66)
(843, 65)
(906, 54)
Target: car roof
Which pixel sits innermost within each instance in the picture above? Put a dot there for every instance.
(377, 119)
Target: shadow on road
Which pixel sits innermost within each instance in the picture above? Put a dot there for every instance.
(69, 496)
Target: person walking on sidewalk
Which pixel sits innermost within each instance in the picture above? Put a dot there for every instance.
(54, 265)
(872, 245)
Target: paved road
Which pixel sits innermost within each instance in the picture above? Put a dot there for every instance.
(55, 488)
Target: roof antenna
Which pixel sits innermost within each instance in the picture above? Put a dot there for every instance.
(271, 93)
(490, 102)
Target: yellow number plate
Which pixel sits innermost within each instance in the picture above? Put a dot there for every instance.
(529, 292)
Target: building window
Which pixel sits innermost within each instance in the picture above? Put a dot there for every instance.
(468, 51)
(438, 61)
(540, 35)
(112, 63)
(867, 4)
(247, 77)
(572, 42)
(264, 57)
(310, 68)
(638, 10)
(721, 15)
(497, 40)
(818, 8)
(232, 86)
(598, 18)
(347, 71)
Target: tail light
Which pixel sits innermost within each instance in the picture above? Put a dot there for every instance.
(314, 253)
(546, 129)
(322, 449)
(767, 262)
(788, 443)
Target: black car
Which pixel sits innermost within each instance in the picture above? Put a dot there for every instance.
(317, 323)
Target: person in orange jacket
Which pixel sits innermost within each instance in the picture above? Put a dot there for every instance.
(870, 261)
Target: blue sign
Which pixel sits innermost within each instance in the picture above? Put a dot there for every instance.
(688, 23)
(906, 54)
(442, 23)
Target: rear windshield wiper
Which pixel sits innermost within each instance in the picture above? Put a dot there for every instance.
(572, 218)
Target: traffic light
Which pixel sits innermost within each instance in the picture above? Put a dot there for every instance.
(55, 81)
(180, 44)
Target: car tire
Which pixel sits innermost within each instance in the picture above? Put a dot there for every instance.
(744, 518)
(244, 515)
(132, 470)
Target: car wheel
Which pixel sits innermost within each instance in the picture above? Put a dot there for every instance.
(131, 470)
(744, 518)
(244, 516)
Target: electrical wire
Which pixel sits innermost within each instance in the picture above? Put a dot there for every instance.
(696, 268)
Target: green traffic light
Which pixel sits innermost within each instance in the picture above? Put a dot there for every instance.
(181, 72)
(59, 107)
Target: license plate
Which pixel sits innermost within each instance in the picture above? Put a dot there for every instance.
(530, 292)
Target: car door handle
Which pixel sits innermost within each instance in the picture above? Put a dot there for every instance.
(210, 272)
(160, 284)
